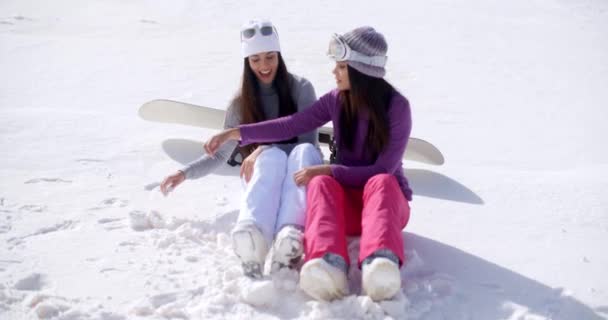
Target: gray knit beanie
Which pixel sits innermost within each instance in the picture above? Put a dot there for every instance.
(369, 42)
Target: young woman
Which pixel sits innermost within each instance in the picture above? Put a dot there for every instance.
(268, 91)
(364, 192)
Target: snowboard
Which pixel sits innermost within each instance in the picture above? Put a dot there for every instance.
(168, 111)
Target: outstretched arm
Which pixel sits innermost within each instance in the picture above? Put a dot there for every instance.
(205, 164)
(290, 126)
(278, 129)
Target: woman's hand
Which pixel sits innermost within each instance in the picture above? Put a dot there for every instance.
(216, 141)
(304, 176)
(171, 182)
(249, 162)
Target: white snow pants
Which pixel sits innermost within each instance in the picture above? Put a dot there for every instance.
(272, 199)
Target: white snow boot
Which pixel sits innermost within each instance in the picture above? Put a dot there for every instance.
(323, 281)
(249, 245)
(288, 248)
(381, 279)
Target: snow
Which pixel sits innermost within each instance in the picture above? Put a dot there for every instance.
(511, 227)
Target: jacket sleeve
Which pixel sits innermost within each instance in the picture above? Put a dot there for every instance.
(290, 126)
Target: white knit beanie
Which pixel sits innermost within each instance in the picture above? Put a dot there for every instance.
(258, 42)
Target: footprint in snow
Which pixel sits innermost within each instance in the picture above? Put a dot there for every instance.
(68, 224)
(32, 282)
(12, 20)
(5, 265)
(111, 203)
(87, 161)
(108, 220)
(128, 244)
(111, 223)
(54, 180)
(4, 228)
(32, 208)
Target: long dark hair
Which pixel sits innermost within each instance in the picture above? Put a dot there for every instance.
(250, 102)
(373, 94)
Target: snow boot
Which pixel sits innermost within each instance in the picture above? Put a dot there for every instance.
(249, 245)
(381, 279)
(288, 248)
(322, 280)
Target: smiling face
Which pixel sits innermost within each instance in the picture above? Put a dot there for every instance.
(341, 73)
(264, 66)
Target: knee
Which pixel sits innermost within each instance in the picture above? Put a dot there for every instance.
(274, 152)
(304, 151)
(381, 180)
(303, 148)
(272, 155)
(322, 182)
(321, 192)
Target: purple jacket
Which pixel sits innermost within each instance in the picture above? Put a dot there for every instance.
(355, 166)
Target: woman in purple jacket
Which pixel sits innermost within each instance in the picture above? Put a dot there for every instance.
(364, 191)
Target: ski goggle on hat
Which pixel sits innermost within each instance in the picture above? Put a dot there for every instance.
(259, 36)
(340, 51)
(264, 28)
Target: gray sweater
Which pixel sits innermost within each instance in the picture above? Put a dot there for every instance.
(303, 94)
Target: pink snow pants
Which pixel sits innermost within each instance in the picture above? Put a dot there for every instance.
(377, 213)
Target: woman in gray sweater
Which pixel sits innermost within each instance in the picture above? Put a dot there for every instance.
(273, 206)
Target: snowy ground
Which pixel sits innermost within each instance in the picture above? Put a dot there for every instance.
(513, 226)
